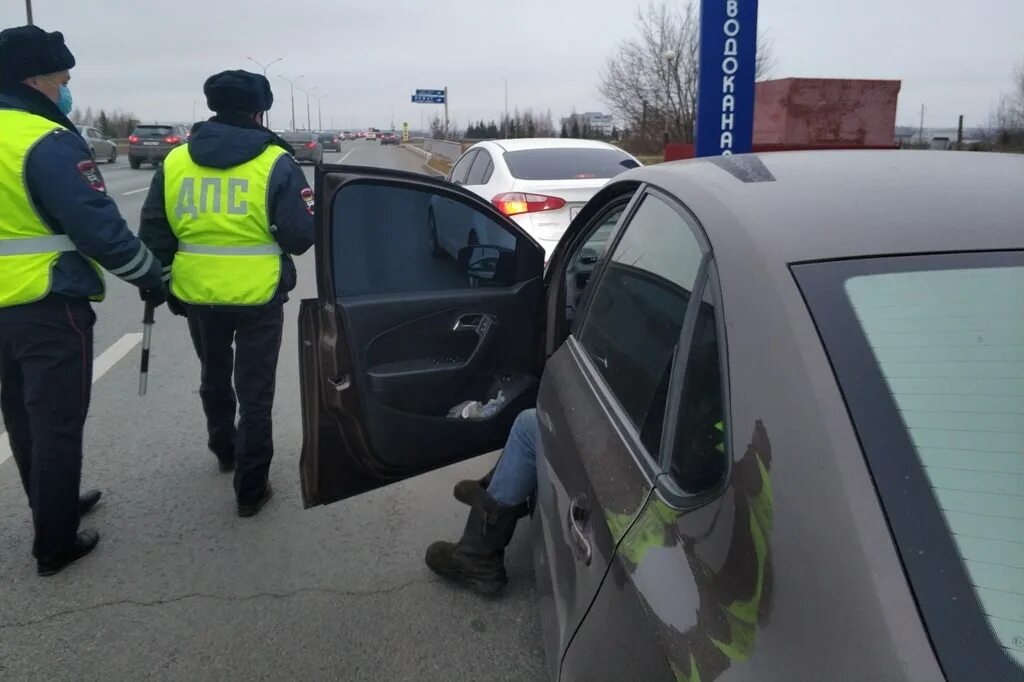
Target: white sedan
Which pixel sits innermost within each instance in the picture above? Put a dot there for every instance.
(540, 183)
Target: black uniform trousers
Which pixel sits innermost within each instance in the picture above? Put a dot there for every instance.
(45, 383)
(244, 343)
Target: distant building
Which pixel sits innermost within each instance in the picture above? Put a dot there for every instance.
(599, 123)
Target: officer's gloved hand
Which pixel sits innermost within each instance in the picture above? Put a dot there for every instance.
(155, 297)
(176, 306)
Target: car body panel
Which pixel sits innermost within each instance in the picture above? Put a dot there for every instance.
(585, 467)
(378, 383)
(832, 599)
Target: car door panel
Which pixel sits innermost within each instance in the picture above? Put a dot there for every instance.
(397, 337)
(588, 493)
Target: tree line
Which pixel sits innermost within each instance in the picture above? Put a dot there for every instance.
(1006, 124)
(115, 124)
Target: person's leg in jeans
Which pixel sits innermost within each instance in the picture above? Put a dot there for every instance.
(478, 559)
(212, 334)
(515, 477)
(258, 345)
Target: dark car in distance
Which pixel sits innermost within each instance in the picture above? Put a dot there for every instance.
(151, 143)
(389, 138)
(780, 428)
(329, 141)
(306, 145)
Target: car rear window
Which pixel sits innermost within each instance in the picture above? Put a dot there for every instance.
(153, 131)
(929, 351)
(567, 164)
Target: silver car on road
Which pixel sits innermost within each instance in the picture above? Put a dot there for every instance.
(101, 147)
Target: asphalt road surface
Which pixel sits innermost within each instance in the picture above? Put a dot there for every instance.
(180, 588)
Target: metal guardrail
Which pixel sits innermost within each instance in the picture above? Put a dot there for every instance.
(445, 149)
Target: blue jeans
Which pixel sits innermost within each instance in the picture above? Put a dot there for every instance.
(515, 477)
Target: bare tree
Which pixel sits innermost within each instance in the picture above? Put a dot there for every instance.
(1005, 131)
(651, 81)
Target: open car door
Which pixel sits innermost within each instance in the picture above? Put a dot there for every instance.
(427, 298)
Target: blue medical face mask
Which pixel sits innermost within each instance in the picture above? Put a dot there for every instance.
(64, 101)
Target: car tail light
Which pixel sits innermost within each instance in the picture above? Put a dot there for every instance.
(311, 145)
(172, 139)
(514, 203)
(133, 139)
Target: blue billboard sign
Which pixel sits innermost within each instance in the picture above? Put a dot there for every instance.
(431, 93)
(725, 89)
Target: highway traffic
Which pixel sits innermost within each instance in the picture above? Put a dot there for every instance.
(182, 588)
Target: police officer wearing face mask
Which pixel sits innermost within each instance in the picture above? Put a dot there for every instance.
(58, 228)
(224, 213)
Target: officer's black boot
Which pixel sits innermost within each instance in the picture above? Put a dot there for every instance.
(225, 453)
(478, 559)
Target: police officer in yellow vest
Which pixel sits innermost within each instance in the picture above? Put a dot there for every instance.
(224, 213)
(58, 228)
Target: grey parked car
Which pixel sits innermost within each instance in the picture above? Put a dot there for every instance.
(780, 426)
(101, 147)
(307, 147)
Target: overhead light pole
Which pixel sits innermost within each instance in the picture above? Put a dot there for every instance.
(309, 119)
(504, 122)
(320, 111)
(292, 82)
(28, 11)
(265, 67)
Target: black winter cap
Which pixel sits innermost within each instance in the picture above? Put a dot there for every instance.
(238, 91)
(27, 51)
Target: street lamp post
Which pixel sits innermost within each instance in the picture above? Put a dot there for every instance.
(292, 83)
(265, 67)
(28, 11)
(309, 119)
(320, 111)
(504, 122)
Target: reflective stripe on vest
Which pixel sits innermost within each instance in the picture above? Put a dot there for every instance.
(226, 252)
(28, 249)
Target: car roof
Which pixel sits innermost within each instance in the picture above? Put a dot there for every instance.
(528, 143)
(821, 205)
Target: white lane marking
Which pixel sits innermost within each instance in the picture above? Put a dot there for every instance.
(342, 159)
(134, 191)
(100, 366)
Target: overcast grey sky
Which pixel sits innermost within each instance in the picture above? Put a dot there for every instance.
(369, 55)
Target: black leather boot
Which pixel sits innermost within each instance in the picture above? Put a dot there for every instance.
(478, 559)
(468, 492)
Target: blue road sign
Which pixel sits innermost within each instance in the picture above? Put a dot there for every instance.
(431, 93)
(428, 99)
(725, 90)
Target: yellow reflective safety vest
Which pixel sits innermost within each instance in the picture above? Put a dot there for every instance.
(28, 248)
(226, 252)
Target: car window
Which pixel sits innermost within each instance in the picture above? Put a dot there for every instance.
(698, 458)
(568, 163)
(585, 261)
(633, 322)
(488, 171)
(153, 131)
(929, 351)
(407, 240)
(461, 170)
(476, 172)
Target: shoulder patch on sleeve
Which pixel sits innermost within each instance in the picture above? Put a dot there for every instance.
(92, 175)
(307, 196)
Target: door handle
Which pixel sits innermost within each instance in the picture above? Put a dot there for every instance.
(578, 518)
(477, 323)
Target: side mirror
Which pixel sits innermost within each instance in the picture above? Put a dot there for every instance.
(485, 262)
